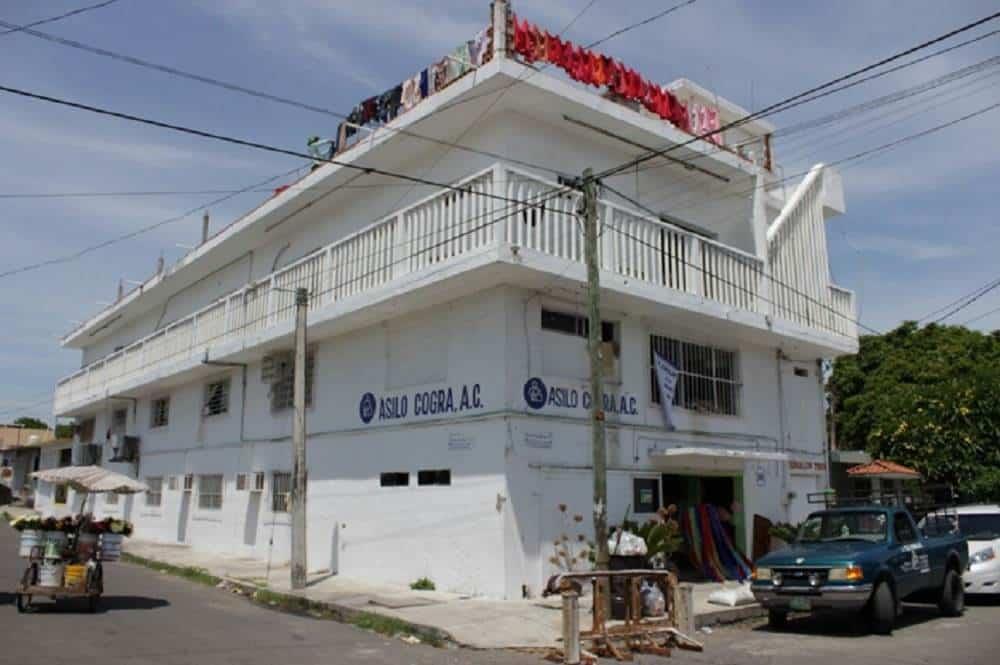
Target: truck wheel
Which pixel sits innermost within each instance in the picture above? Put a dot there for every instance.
(882, 609)
(777, 619)
(952, 601)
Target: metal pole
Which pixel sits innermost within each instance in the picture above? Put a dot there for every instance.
(299, 479)
(596, 381)
(571, 627)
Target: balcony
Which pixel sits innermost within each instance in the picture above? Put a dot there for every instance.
(463, 231)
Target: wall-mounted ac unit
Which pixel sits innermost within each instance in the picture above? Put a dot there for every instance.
(124, 448)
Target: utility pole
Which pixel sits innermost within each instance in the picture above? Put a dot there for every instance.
(589, 204)
(299, 478)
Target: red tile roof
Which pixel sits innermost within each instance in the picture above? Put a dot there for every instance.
(881, 467)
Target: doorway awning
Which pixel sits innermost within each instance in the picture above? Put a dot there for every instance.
(713, 457)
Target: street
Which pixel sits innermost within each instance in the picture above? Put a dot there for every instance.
(147, 617)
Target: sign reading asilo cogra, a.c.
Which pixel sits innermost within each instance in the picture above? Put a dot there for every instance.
(440, 402)
(539, 396)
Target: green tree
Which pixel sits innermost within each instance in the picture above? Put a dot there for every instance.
(928, 398)
(30, 423)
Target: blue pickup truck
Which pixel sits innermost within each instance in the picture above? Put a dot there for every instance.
(863, 559)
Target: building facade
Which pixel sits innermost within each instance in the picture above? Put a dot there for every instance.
(447, 417)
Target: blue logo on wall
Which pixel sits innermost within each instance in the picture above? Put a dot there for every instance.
(367, 408)
(535, 393)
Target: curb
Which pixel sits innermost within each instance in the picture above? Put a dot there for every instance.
(301, 605)
(731, 615)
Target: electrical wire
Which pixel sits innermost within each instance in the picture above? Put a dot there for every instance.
(980, 317)
(816, 92)
(53, 19)
(233, 87)
(968, 300)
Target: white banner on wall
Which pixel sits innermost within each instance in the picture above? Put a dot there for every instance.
(666, 378)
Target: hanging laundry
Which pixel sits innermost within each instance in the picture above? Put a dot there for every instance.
(388, 104)
(459, 62)
(440, 69)
(410, 94)
(478, 48)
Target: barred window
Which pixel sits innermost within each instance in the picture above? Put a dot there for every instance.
(281, 491)
(279, 369)
(159, 412)
(119, 421)
(210, 492)
(708, 378)
(154, 495)
(216, 400)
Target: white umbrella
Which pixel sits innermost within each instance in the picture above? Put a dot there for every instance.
(92, 479)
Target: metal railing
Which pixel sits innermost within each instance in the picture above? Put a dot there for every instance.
(432, 231)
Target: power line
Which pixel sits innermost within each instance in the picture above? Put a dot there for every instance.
(146, 229)
(81, 10)
(980, 317)
(233, 87)
(799, 98)
(968, 300)
(956, 301)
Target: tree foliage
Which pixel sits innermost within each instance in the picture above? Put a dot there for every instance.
(28, 422)
(928, 398)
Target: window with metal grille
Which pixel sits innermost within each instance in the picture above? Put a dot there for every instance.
(210, 492)
(574, 324)
(216, 400)
(281, 491)
(434, 477)
(85, 430)
(119, 421)
(708, 378)
(395, 479)
(154, 495)
(279, 370)
(159, 412)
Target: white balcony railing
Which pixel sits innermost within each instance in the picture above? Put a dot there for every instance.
(435, 230)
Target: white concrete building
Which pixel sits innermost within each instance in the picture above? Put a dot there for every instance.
(448, 382)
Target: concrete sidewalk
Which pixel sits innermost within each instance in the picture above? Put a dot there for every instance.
(474, 622)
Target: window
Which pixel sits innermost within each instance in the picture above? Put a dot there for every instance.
(905, 532)
(172, 483)
(210, 492)
(708, 380)
(802, 371)
(188, 482)
(573, 324)
(85, 430)
(395, 479)
(60, 494)
(111, 499)
(645, 495)
(216, 398)
(66, 457)
(154, 495)
(119, 421)
(434, 477)
(241, 482)
(159, 412)
(281, 491)
(279, 369)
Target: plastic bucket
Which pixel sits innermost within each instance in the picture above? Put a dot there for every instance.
(111, 546)
(86, 545)
(75, 575)
(30, 539)
(50, 573)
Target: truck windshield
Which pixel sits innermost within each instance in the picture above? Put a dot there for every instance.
(834, 526)
(979, 526)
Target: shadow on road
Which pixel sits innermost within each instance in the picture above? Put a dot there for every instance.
(839, 624)
(76, 605)
(6, 598)
(115, 603)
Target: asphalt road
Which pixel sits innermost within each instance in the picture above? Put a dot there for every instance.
(151, 618)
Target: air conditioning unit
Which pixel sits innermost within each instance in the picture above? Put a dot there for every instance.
(124, 448)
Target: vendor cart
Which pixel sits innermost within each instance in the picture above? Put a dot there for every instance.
(72, 567)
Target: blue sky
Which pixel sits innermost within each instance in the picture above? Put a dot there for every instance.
(920, 229)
